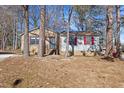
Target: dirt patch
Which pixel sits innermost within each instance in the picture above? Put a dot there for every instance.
(55, 71)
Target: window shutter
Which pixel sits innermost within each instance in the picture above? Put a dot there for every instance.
(92, 40)
(85, 40)
(75, 40)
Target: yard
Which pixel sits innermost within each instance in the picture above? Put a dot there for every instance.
(55, 71)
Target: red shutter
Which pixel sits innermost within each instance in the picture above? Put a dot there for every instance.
(85, 40)
(75, 40)
(92, 40)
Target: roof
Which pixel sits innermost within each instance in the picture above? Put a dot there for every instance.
(88, 33)
(34, 29)
(30, 31)
(83, 33)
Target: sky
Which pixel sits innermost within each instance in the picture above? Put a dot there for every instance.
(122, 36)
(122, 30)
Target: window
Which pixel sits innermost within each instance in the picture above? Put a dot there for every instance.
(73, 40)
(34, 40)
(37, 40)
(89, 40)
(52, 42)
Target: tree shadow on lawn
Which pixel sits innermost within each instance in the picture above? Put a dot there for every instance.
(109, 59)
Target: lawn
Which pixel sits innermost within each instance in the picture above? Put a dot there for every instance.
(55, 71)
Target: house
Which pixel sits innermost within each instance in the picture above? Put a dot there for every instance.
(81, 41)
(78, 41)
(34, 40)
(122, 47)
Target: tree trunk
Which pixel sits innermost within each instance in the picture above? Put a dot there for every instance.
(57, 43)
(4, 37)
(3, 41)
(118, 30)
(16, 35)
(68, 29)
(42, 33)
(67, 41)
(109, 32)
(21, 29)
(13, 34)
(26, 34)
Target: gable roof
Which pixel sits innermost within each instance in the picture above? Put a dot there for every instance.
(30, 31)
(34, 29)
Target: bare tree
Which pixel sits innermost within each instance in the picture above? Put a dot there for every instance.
(5, 27)
(26, 35)
(42, 32)
(68, 30)
(57, 24)
(21, 19)
(54, 20)
(82, 12)
(117, 39)
(109, 32)
(15, 34)
(9, 33)
(57, 38)
(34, 15)
(16, 37)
